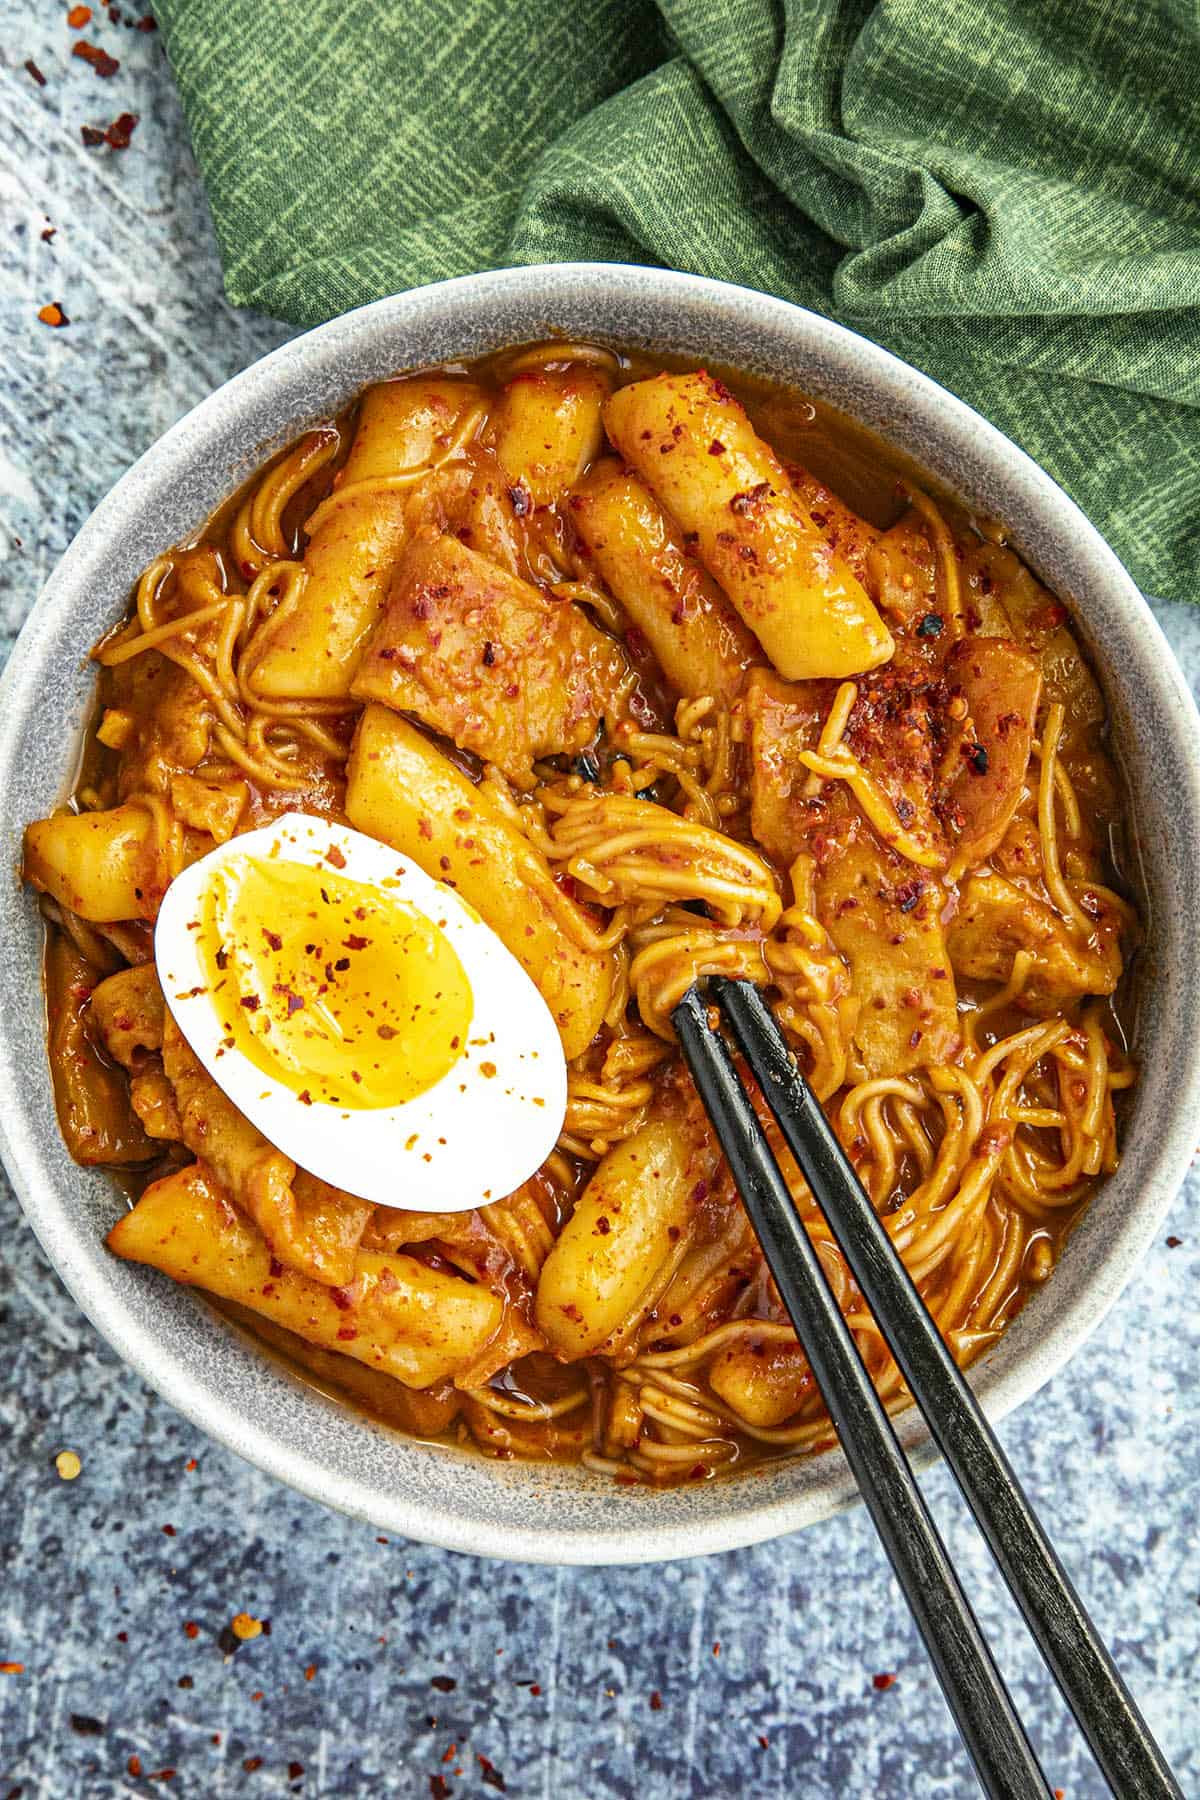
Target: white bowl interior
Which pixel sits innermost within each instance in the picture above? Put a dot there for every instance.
(214, 1374)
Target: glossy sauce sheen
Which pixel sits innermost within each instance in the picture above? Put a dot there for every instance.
(853, 489)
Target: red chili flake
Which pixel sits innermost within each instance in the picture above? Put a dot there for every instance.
(656, 1701)
(603, 1226)
(105, 65)
(134, 1765)
(1173, 1243)
(122, 1637)
(881, 1683)
(304, 1097)
(1060, 1794)
(33, 72)
(146, 23)
(49, 234)
(741, 504)
(78, 17)
(310, 1671)
(490, 1772)
(251, 1002)
(250, 1763)
(445, 1684)
(764, 1740)
(191, 1629)
(716, 448)
(335, 857)
(534, 1689)
(191, 1465)
(273, 938)
(717, 1648)
(161, 1775)
(439, 1787)
(295, 1771)
(168, 1531)
(355, 942)
(53, 315)
(449, 1754)
(186, 1682)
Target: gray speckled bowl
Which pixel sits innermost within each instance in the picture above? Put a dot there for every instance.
(211, 1372)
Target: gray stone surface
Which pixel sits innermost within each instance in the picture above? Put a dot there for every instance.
(763, 1660)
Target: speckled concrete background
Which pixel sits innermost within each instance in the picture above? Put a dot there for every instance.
(391, 1669)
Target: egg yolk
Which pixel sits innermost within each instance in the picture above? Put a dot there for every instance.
(335, 988)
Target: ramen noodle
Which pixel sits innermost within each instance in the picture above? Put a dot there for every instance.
(670, 676)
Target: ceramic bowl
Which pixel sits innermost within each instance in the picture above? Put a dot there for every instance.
(213, 1374)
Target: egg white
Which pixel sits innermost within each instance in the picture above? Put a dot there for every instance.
(466, 1140)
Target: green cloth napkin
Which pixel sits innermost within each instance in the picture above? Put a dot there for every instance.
(1003, 192)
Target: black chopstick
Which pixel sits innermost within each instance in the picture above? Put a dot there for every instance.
(972, 1684)
(1130, 1759)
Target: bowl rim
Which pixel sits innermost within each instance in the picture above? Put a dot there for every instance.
(193, 1392)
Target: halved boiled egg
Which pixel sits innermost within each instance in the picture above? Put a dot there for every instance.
(362, 1016)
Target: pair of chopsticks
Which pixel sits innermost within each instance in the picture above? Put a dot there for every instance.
(1005, 1763)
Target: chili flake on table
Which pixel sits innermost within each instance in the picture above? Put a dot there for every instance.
(97, 58)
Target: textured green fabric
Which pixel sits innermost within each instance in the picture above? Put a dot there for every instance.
(1004, 192)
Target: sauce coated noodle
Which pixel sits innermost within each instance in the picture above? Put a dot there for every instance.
(716, 689)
